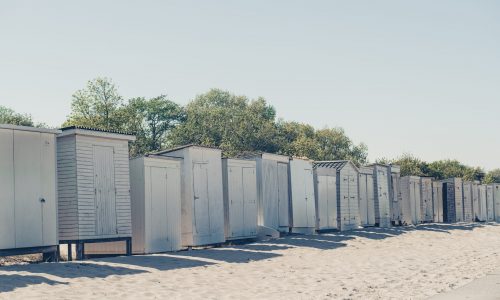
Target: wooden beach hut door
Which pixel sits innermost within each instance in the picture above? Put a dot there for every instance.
(249, 184)
(201, 199)
(104, 189)
(327, 201)
(159, 221)
(237, 207)
(283, 199)
(309, 195)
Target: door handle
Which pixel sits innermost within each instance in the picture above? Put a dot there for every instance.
(42, 200)
(196, 198)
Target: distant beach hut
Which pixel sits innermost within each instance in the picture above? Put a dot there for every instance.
(437, 201)
(410, 193)
(452, 200)
(366, 196)
(426, 210)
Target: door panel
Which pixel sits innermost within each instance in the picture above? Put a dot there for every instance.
(332, 201)
(250, 201)
(201, 199)
(309, 194)
(323, 201)
(28, 206)
(363, 201)
(158, 227)
(105, 193)
(48, 188)
(236, 205)
(370, 200)
(283, 197)
(7, 203)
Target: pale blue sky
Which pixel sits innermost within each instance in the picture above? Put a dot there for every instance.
(401, 76)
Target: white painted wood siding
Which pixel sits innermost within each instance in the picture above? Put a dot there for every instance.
(302, 195)
(382, 204)
(426, 210)
(437, 201)
(240, 198)
(490, 202)
(395, 193)
(366, 197)
(467, 201)
(496, 197)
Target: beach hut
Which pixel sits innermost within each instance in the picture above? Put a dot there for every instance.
(381, 174)
(156, 204)
(326, 200)
(426, 210)
(475, 200)
(302, 196)
(496, 197)
(366, 197)
(202, 203)
(273, 194)
(452, 200)
(437, 201)
(481, 212)
(395, 193)
(28, 194)
(467, 201)
(346, 174)
(240, 198)
(490, 202)
(94, 188)
(410, 194)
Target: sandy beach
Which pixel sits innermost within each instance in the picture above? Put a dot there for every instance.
(371, 263)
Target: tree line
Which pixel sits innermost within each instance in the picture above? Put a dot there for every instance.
(234, 123)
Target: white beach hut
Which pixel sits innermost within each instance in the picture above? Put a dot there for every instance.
(302, 196)
(346, 175)
(490, 203)
(273, 206)
(202, 194)
(240, 198)
(28, 194)
(426, 209)
(496, 197)
(467, 201)
(381, 174)
(366, 196)
(452, 200)
(156, 204)
(410, 194)
(395, 193)
(481, 211)
(437, 201)
(326, 199)
(94, 188)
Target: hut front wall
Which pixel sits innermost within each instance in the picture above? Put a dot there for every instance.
(366, 198)
(395, 194)
(273, 192)
(326, 199)
(382, 204)
(103, 181)
(496, 197)
(490, 202)
(437, 201)
(426, 199)
(240, 198)
(467, 201)
(347, 198)
(302, 194)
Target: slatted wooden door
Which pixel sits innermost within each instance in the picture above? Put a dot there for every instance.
(105, 191)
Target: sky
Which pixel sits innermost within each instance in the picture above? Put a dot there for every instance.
(420, 77)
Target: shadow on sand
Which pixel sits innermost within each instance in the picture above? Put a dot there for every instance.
(10, 282)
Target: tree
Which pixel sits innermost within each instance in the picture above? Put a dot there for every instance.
(334, 144)
(411, 165)
(492, 176)
(9, 116)
(233, 123)
(97, 106)
(151, 120)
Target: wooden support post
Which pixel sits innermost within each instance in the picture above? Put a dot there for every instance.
(70, 252)
(80, 251)
(129, 246)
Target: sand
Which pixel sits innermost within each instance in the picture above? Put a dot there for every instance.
(373, 263)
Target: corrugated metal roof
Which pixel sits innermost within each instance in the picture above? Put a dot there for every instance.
(95, 129)
(182, 147)
(334, 164)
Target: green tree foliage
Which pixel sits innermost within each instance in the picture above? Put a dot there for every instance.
(97, 106)
(9, 116)
(151, 120)
(492, 176)
(233, 123)
(441, 169)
